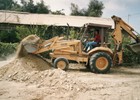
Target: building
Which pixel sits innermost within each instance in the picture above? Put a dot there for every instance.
(11, 18)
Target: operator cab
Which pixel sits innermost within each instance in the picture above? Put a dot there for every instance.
(87, 32)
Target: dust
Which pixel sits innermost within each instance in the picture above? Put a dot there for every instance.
(21, 52)
(7, 59)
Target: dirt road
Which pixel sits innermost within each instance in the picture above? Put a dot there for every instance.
(77, 83)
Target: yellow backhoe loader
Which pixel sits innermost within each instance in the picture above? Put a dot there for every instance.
(99, 59)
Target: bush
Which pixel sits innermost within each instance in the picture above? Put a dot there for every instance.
(24, 31)
(8, 36)
(130, 58)
(7, 49)
(73, 33)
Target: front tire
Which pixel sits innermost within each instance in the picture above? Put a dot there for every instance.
(100, 62)
(61, 63)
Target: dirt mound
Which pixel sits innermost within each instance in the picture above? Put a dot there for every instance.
(24, 62)
(34, 71)
(31, 69)
(21, 66)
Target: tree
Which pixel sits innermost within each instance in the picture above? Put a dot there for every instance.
(58, 12)
(94, 9)
(74, 9)
(42, 8)
(8, 5)
(16, 7)
(28, 6)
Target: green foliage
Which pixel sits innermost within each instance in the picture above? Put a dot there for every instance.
(57, 12)
(55, 31)
(23, 31)
(8, 36)
(73, 33)
(75, 9)
(20, 32)
(94, 9)
(29, 6)
(9, 5)
(25, 6)
(128, 56)
(7, 48)
(38, 30)
(42, 8)
(6, 4)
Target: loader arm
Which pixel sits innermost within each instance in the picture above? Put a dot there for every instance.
(117, 36)
(48, 45)
(34, 44)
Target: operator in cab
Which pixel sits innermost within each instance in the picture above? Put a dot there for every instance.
(94, 41)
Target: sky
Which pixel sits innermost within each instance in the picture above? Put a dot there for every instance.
(128, 10)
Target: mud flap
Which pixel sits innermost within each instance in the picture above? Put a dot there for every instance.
(134, 48)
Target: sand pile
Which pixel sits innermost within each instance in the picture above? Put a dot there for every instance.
(22, 66)
(33, 70)
(24, 62)
(53, 84)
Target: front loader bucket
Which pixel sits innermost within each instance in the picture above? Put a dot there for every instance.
(30, 43)
(30, 48)
(134, 48)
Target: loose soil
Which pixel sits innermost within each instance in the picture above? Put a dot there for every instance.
(28, 77)
(30, 83)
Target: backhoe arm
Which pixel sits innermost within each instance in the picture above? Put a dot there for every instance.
(117, 36)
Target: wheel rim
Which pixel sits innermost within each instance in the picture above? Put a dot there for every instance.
(61, 64)
(101, 63)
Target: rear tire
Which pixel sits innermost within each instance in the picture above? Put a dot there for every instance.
(61, 63)
(100, 62)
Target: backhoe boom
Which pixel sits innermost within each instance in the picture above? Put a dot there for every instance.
(117, 36)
